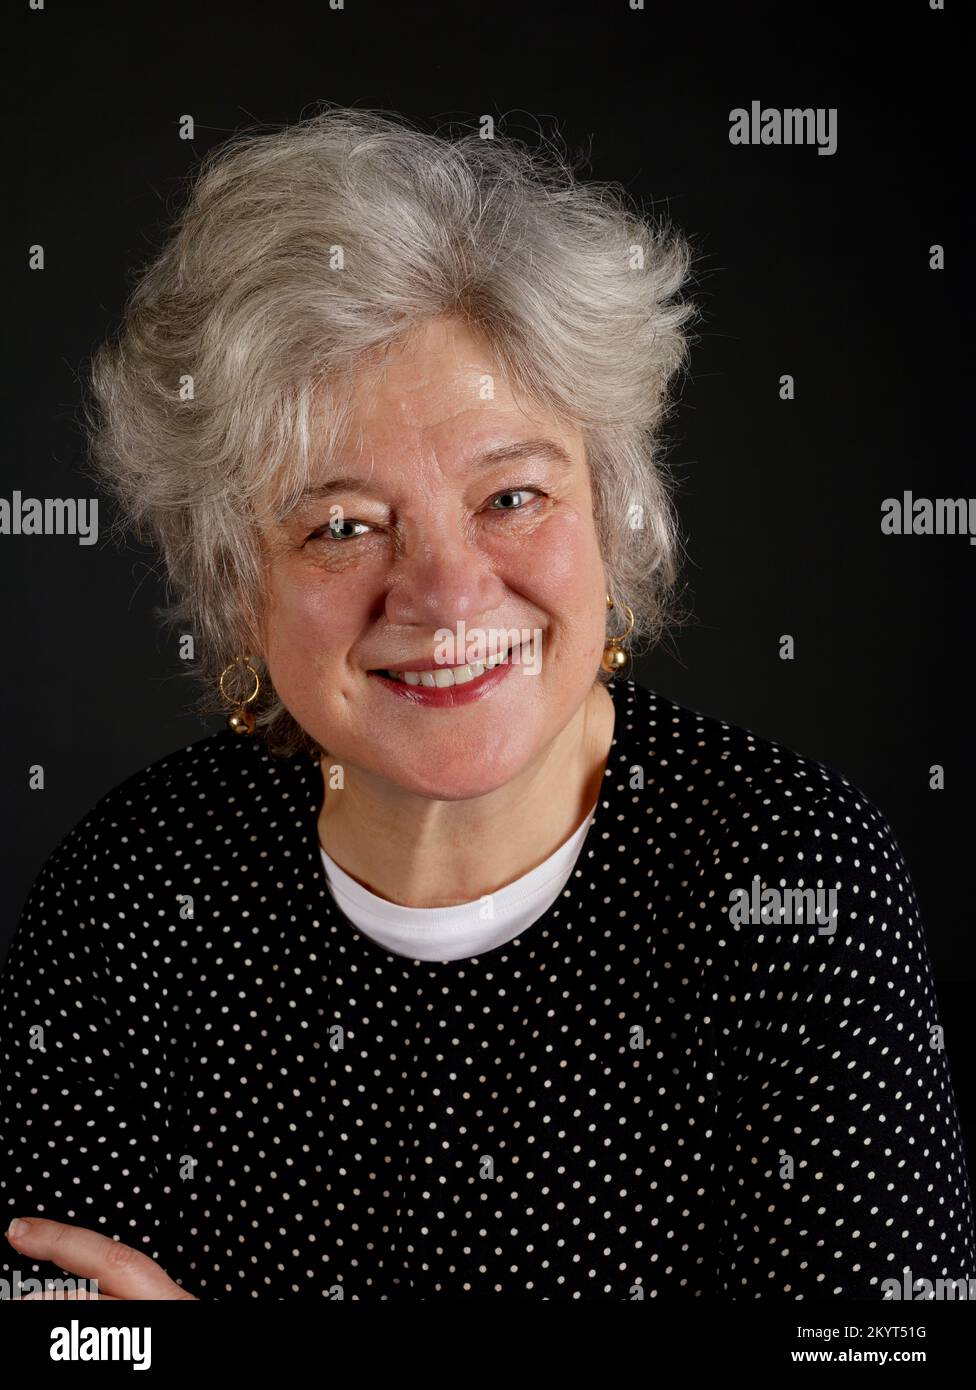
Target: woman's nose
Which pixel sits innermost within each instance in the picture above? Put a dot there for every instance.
(439, 581)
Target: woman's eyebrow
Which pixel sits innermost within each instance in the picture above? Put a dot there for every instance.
(546, 449)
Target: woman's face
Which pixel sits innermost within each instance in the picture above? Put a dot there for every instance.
(432, 535)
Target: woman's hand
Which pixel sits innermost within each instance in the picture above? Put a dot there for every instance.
(121, 1271)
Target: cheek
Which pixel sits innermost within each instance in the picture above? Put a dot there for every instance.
(563, 573)
(561, 561)
(310, 621)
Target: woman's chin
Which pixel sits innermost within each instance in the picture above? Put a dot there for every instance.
(441, 769)
(462, 784)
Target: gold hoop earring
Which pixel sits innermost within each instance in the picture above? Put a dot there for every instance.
(614, 656)
(240, 719)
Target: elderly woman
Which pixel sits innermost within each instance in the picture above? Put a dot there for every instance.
(459, 964)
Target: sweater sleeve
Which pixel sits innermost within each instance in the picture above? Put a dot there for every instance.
(846, 1175)
(82, 1100)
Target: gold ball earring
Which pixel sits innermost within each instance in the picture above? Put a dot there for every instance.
(614, 656)
(240, 720)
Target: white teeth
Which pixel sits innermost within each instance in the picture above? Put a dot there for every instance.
(446, 676)
(441, 679)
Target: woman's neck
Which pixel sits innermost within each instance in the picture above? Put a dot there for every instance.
(439, 853)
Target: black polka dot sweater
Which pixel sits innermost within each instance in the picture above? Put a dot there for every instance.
(641, 1096)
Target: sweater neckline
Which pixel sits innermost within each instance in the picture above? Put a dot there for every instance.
(359, 948)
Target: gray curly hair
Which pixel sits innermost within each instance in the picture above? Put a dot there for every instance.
(211, 390)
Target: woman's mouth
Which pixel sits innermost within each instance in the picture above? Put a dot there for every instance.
(447, 686)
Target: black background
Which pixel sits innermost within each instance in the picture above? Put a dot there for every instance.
(811, 265)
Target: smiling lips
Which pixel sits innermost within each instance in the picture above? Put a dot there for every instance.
(441, 677)
(448, 687)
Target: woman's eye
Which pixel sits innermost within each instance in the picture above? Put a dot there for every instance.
(512, 500)
(509, 499)
(338, 531)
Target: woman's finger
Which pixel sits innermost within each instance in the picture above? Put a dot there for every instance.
(119, 1269)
